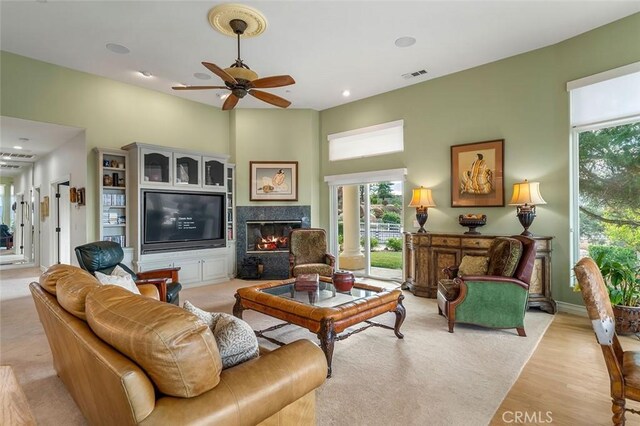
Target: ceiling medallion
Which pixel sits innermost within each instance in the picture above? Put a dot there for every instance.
(221, 15)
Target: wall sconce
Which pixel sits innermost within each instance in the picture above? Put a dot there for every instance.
(422, 200)
(525, 196)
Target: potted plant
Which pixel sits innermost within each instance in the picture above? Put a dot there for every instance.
(622, 277)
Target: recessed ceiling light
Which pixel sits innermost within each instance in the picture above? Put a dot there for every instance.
(202, 76)
(6, 158)
(146, 74)
(17, 147)
(405, 41)
(117, 48)
(346, 93)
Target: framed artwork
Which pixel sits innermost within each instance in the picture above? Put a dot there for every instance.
(477, 174)
(273, 180)
(44, 207)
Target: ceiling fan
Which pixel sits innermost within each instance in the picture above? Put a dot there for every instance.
(241, 80)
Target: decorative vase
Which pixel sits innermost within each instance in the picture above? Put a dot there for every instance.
(343, 280)
(627, 319)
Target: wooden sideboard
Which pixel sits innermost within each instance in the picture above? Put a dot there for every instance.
(426, 254)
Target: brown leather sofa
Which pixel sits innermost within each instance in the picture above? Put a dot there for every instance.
(277, 388)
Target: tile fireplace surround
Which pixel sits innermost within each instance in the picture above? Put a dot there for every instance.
(276, 263)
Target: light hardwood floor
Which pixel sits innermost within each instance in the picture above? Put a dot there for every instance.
(566, 376)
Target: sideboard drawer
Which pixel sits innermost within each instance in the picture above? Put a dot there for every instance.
(479, 243)
(445, 241)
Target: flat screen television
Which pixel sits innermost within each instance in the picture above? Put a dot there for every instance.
(175, 220)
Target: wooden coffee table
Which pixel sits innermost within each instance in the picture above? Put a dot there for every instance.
(325, 311)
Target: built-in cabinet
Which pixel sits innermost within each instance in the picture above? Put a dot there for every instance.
(113, 206)
(427, 254)
(161, 168)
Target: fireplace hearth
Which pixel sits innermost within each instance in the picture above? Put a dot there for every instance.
(263, 233)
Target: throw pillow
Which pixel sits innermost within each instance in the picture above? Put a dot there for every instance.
(236, 340)
(473, 265)
(125, 282)
(504, 255)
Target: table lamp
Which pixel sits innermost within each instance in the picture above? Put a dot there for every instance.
(422, 200)
(525, 196)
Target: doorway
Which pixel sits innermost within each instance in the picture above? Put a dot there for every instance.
(62, 223)
(367, 222)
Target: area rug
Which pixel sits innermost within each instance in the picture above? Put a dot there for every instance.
(429, 377)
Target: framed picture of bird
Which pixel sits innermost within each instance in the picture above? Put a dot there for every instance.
(477, 176)
(273, 180)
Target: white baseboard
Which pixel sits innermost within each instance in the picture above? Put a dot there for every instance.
(570, 308)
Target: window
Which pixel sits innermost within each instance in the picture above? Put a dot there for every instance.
(367, 142)
(605, 116)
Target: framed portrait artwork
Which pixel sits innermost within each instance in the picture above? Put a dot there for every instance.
(477, 174)
(273, 180)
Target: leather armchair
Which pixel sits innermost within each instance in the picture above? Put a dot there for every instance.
(308, 253)
(493, 301)
(6, 237)
(104, 256)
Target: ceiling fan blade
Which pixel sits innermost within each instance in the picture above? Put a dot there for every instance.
(270, 98)
(198, 87)
(274, 81)
(225, 76)
(230, 103)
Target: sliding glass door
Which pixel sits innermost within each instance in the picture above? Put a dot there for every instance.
(368, 225)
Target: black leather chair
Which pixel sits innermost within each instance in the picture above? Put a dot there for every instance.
(104, 256)
(6, 237)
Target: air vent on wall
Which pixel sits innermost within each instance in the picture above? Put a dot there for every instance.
(14, 155)
(9, 166)
(414, 74)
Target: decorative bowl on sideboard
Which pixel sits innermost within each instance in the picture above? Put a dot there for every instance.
(472, 221)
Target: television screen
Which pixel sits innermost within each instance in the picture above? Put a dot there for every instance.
(183, 220)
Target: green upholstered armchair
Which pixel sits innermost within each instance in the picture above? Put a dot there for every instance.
(308, 253)
(497, 299)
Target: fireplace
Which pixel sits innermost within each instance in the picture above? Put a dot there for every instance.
(262, 236)
(269, 236)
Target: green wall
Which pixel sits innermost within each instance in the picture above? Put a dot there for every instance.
(523, 100)
(114, 114)
(278, 135)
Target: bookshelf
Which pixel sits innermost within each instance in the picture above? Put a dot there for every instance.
(112, 195)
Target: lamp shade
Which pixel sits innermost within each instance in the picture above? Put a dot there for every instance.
(422, 198)
(526, 193)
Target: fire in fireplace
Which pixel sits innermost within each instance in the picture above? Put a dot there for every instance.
(270, 236)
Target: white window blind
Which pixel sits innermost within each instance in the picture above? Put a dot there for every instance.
(606, 96)
(367, 142)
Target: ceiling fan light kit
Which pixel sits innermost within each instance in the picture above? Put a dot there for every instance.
(239, 20)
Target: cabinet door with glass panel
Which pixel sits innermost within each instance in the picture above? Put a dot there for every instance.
(156, 167)
(187, 169)
(214, 173)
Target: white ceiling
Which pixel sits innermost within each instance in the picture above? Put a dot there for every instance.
(43, 138)
(327, 46)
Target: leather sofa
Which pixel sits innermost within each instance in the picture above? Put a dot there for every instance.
(276, 388)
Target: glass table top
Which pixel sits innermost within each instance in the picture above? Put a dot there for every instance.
(325, 295)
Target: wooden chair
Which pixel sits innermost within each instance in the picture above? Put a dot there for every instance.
(623, 366)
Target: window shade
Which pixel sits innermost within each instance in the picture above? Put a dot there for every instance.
(367, 141)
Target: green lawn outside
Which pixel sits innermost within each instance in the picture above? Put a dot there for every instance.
(386, 259)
